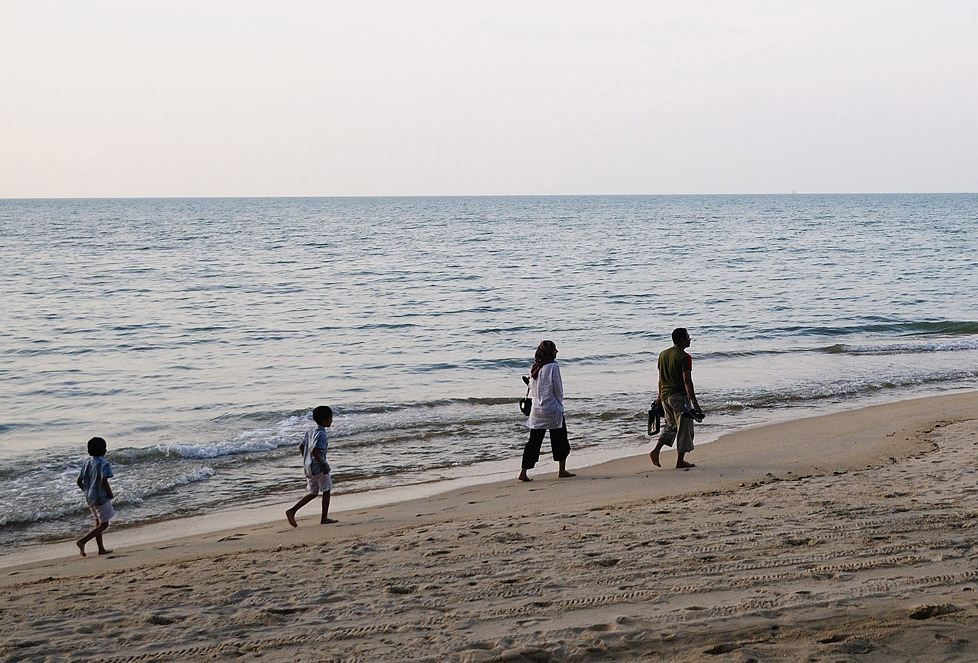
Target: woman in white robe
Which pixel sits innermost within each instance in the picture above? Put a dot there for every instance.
(546, 412)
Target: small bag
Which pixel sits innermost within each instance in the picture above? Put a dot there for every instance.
(526, 403)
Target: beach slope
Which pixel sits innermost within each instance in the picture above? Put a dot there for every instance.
(838, 538)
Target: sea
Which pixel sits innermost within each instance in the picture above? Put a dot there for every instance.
(196, 335)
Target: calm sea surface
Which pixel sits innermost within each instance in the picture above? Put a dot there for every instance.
(196, 335)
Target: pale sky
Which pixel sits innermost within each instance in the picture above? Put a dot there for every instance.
(400, 97)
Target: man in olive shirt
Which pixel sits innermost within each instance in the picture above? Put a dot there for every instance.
(675, 387)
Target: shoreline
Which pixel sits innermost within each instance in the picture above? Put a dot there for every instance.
(158, 531)
(497, 472)
(720, 471)
(814, 539)
(624, 443)
(252, 516)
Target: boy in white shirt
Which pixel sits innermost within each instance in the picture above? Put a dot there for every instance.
(318, 476)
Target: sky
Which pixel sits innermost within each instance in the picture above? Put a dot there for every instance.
(134, 98)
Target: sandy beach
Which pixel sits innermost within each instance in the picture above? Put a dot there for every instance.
(847, 537)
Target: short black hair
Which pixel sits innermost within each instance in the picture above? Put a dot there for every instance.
(96, 446)
(322, 414)
(679, 334)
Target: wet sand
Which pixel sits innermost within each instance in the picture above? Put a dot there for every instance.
(847, 537)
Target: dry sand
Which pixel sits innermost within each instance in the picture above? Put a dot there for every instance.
(847, 537)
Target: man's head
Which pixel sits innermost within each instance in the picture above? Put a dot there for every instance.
(680, 337)
(323, 415)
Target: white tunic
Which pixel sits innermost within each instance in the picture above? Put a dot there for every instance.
(547, 392)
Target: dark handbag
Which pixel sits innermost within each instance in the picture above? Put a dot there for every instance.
(526, 403)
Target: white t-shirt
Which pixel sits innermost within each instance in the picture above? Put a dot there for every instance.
(547, 392)
(315, 438)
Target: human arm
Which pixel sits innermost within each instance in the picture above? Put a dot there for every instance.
(319, 446)
(690, 390)
(321, 459)
(107, 488)
(558, 384)
(81, 485)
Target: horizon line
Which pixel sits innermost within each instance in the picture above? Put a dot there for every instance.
(489, 195)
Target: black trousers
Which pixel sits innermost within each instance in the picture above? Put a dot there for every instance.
(558, 445)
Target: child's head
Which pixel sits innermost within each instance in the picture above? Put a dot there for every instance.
(323, 415)
(96, 446)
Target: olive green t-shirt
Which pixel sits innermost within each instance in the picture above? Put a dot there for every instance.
(672, 363)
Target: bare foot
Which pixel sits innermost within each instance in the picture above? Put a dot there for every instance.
(565, 475)
(291, 518)
(81, 548)
(654, 455)
(683, 465)
(523, 477)
(104, 552)
(328, 521)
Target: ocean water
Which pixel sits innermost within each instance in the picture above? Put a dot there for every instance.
(196, 335)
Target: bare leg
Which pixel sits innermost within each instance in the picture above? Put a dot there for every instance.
(326, 520)
(98, 539)
(96, 534)
(561, 472)
(290, 514)
(523, 477)
(654, 454)
(682, 464)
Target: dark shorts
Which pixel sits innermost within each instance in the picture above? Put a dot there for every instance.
(558, 445)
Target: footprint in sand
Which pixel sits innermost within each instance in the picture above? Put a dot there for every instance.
(723, 648)
(832, 639)
(231, 537)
